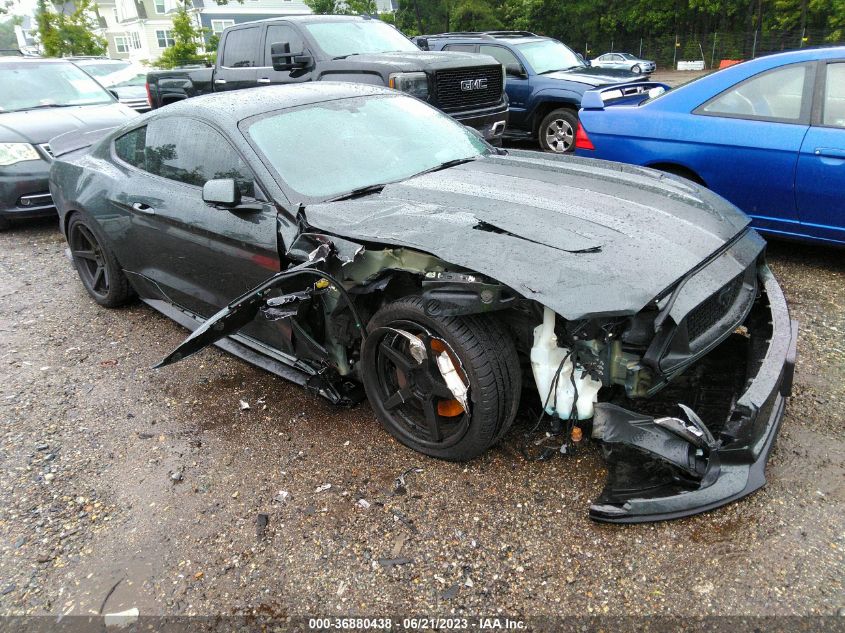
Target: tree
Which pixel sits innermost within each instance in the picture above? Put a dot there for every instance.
(186, 38)
(8, 39)
(63, 33)
(343, 7)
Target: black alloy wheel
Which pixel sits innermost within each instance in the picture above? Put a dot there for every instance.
(408, 390)
(98, 269)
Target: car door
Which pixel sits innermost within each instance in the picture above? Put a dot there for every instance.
(278, 33)
(240, 52)
(820, 177)
(197, 256)
(744, 142)
(517, 85)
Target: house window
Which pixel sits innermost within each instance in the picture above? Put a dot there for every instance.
(217, 26)
(136, 40)
(116, 19)
(121, 44)
(165, 38)
(160, 6)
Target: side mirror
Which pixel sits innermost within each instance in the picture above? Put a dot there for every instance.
(514, 70)
(222, 192)
(283, 59)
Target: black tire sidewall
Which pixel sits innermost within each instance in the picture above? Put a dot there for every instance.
(560, 113)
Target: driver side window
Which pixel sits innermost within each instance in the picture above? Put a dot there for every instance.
(191, 152)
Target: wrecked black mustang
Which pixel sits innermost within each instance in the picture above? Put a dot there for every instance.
(356, 241)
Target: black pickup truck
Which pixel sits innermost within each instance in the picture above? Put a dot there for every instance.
(469, 87)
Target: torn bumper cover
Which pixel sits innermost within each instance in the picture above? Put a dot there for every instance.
(667, 468)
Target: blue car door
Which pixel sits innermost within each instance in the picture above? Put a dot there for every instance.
(820, 179)
(746, 142)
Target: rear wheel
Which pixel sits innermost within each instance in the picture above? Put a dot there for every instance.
(406, 363)
(557, 131)
(98, 269)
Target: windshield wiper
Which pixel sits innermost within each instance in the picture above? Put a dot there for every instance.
(562, 70)
(48, 105)
(447, 165)
(361, 191)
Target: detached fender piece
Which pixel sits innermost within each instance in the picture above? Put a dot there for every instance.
(662, 469)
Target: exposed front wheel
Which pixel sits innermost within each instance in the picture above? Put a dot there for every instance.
(97, 266)
(557, 131)
(445, 386)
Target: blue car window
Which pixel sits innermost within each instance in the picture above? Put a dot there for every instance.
(777, 94)
(834, 96)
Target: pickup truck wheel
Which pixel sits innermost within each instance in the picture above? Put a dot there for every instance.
(402, 368)
(557, 131)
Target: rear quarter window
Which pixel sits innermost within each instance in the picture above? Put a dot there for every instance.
(130, 147)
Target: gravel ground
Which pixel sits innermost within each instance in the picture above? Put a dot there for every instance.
(156, 485)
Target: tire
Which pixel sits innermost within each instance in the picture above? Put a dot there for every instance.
(406, 395)
(557, 131)
(636, 69)
(98, 269)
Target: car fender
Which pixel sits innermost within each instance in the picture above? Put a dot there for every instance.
(556, 96)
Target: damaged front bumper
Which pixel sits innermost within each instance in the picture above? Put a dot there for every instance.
(666, 468)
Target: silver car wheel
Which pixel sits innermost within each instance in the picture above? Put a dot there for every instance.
(560, 136)
(636, 69)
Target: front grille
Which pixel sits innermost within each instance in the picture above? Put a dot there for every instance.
(450, 96)
(712, 309)
(140, 104)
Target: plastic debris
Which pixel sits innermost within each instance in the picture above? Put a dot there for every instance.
(244, 405)
(282, 497)
(323, 488)
(363, 503)
(401, 488)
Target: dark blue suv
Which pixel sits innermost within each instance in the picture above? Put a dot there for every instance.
(545, 81)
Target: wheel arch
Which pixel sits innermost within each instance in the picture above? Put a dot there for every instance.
(547, 105)
(678, 169)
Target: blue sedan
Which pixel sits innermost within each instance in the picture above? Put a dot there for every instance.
(767, 134)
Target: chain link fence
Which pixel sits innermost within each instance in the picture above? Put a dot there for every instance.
(713, 49)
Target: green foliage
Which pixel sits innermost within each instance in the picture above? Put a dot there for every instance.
(186, 39)
(341, 7)
(63, 34)
(7, 32)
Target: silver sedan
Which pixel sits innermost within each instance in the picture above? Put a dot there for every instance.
(624, 61)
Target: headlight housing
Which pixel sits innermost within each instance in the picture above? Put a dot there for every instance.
(11, 153)
(415, 84)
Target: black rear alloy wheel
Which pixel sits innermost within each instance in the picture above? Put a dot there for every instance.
(405, 361)
(98, 269)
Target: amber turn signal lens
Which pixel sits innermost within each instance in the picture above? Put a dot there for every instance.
(449, 408)
(437, 345)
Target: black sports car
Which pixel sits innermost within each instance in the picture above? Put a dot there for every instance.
(355, 240)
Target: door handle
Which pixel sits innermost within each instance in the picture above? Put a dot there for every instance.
(219, 82)
(143, 208)
(830, 152)
(263, 80)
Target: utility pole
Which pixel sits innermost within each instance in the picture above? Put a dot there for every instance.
(713, 54)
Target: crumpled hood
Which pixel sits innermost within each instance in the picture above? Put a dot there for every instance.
(39, 126)
(581, 236)
(595, 76)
